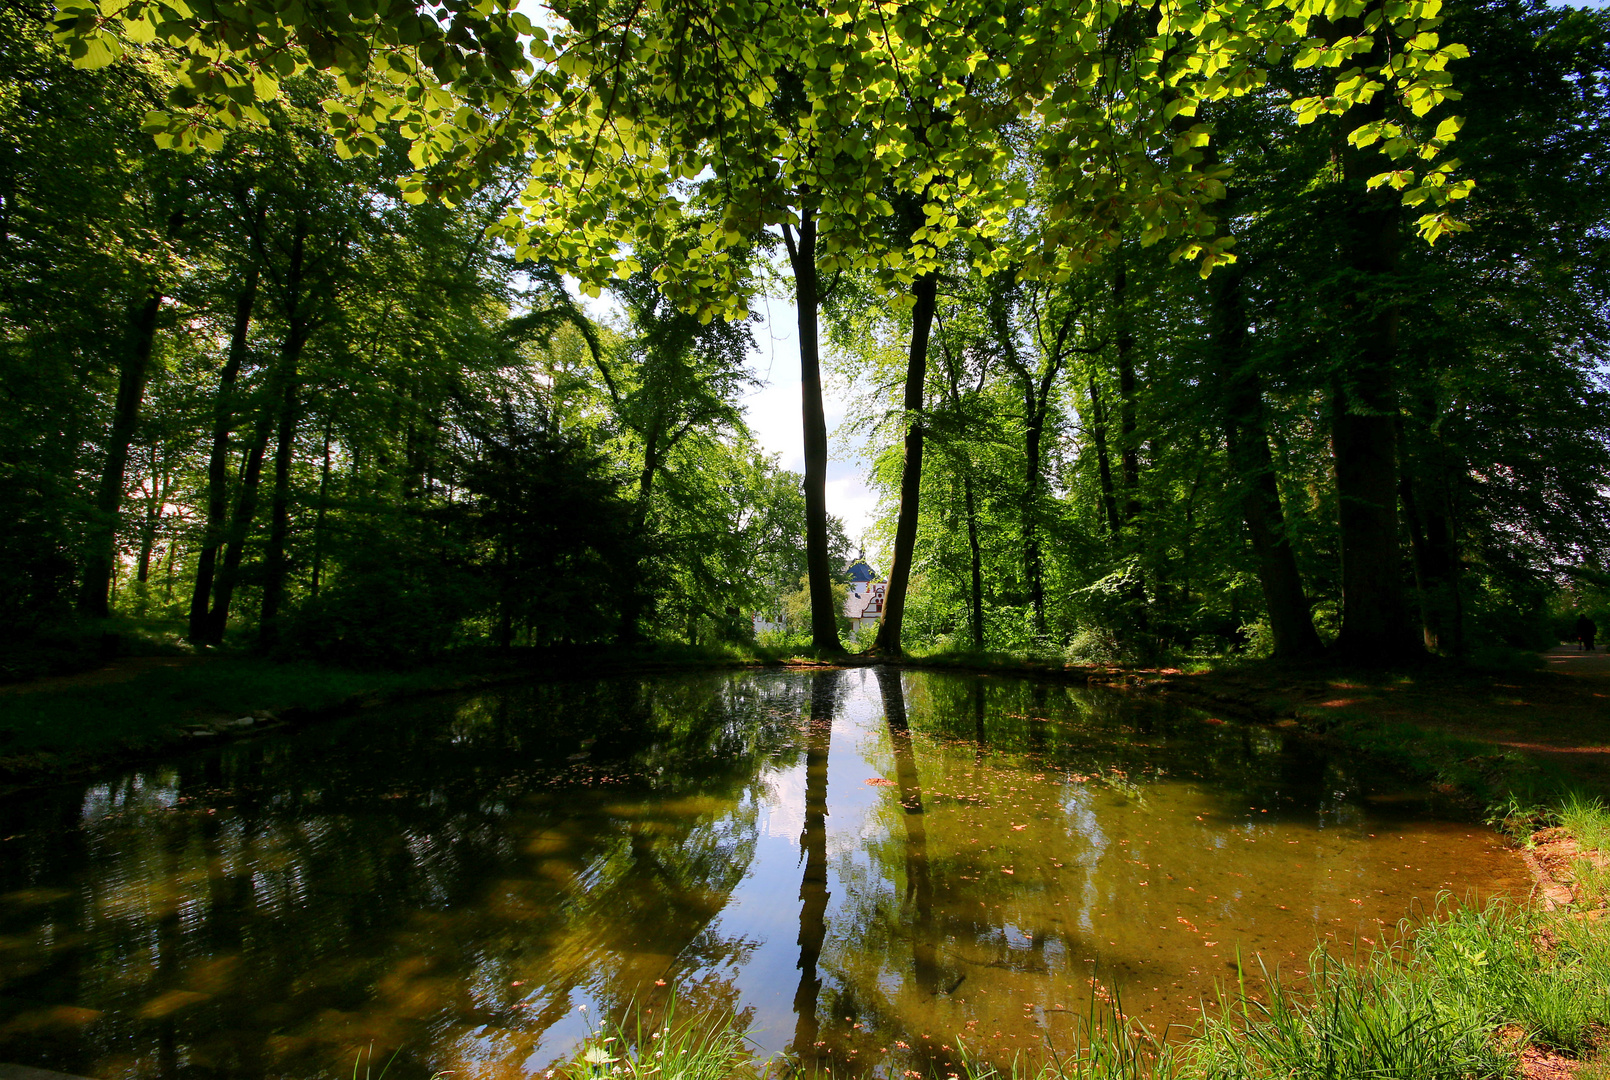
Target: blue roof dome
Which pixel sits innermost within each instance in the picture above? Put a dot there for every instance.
(860, 571)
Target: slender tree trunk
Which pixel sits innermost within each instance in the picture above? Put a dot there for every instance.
(148, 528)
(240, 526)
(1290, 622)
(1128, 427)
(101, 552)
(887, 642)
(324, 503)
(632, 608)
(1098, 435)
(802, 259)
(274, 557)
(275, 561)
(216, 525)
(169, 555)
(976, 556)
(1035, 405)
(1364, 407)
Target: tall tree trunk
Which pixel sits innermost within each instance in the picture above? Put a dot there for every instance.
(887, 642)
(148, 528)
(976, 557)
(1128, 427)
(101, 549)
(1290, 622)
(1098, 435)
(632, 607)
(802, 259)
(1428, 509)
(279, 527)
(223, 412)
(1036, 402)
(240, 526)
(1364, 406)
(324, 502)
(275, 562)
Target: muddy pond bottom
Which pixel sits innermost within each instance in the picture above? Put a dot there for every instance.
(861, 866)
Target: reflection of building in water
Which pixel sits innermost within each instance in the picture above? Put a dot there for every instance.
(864, 604)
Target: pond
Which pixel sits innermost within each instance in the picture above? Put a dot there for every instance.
(861, 865)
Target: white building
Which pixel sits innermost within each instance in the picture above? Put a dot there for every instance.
(863, 606)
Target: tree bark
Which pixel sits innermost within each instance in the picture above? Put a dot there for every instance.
(632, 607)
(324, 503)
(1364, 406)
(239, 527)
(216, 525)
(153, 514)
(887, 642)
(1428, 509)
(101, 552)
(1291, 624)
(1098, 435)
(275, 562)
(802, 259)
(976, 556)
(1128, 427)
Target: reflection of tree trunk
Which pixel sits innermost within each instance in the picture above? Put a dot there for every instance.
(978, 713)
(813, 894)
(919, 882)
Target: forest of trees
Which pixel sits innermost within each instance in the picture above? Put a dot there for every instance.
(1174, 326)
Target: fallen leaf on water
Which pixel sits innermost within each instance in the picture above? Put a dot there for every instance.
(878, 781)
(1004, 870)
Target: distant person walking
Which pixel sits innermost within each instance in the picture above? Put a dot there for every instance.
(1585, 632)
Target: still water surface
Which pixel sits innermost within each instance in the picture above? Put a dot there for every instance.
(860, 864)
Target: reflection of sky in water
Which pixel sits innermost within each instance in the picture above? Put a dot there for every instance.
(456, 878)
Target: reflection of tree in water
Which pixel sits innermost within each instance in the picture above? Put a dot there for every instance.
(939, 930)
(813, 894)
(268, 907)
(1086, 731)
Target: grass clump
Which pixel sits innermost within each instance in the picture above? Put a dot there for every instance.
(642, 1048)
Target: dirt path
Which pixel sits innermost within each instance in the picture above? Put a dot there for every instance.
(114, 671)
(1571, 660)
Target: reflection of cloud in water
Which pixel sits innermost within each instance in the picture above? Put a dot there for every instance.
(783, 811)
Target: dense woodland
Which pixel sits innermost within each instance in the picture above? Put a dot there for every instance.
(1150, 364)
